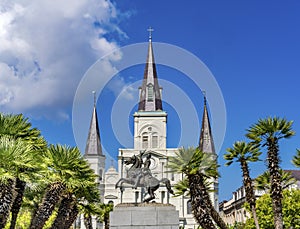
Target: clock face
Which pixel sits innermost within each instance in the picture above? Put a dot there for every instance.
(153, 164)
(111, 180)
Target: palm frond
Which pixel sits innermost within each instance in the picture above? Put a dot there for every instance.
(262, 182)
(270, 128)
(296, 159)
(242, 151)
(182, 188)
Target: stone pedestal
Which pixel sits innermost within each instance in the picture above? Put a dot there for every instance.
(144, 216)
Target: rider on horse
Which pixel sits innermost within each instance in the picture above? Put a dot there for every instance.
(145, 170)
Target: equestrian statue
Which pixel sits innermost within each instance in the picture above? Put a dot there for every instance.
(139, 175)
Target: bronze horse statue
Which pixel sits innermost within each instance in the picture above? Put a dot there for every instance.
(139, 176)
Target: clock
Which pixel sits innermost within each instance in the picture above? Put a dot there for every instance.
(153, 164)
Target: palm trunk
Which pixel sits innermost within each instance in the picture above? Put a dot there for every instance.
(198, 204)
(106, 223)
(64, 213)
(7, 196)
(20, 188)
(275, 178)
(253, 210)
(72, 216)
(214, 214)
(87, 219)
(250, 197)
(47, 206)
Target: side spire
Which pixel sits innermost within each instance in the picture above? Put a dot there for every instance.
(206, 142)
(93, 144)
(150, 92)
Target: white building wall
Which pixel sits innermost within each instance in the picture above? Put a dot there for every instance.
(150, 123)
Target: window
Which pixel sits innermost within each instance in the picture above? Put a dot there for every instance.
(100, 174)
(150, 92)
(172, 177)
(145, 142)
(163, 194)
(189, 207)
(154, 141)
(136, 196)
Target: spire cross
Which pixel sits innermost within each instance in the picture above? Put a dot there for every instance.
(94, 93)
(150, 30)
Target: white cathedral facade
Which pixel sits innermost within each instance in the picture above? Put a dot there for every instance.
(150, 134)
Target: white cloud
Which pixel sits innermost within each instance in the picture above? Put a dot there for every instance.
(120, 88)
(46, 47)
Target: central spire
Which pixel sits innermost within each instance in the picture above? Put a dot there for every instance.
(150, 92)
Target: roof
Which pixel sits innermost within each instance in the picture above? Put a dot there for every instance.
(294, 173)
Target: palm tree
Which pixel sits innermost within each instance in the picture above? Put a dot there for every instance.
(105, 209)
(268, 132)
(198, 166)
(262, 182)
(15, 155)
(64, 165)
(296, 159)
(243, 153)
(182, 188)
(83, 189)
(89, 209)
(18, 127)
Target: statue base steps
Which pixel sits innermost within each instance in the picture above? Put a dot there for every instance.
(144, 216)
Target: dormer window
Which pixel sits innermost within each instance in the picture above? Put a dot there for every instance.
(150, 92)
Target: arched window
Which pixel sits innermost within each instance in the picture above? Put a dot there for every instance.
(150, 92)
(149, 138)
(111, 202)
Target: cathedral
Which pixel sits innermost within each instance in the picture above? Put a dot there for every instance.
(150, 134)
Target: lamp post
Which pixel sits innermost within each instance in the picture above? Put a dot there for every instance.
(122, 165)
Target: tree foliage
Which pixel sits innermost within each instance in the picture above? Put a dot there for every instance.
(262, 182)
(290, 209)
(36, 181)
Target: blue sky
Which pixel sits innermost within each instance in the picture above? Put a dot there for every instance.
(252, 48)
